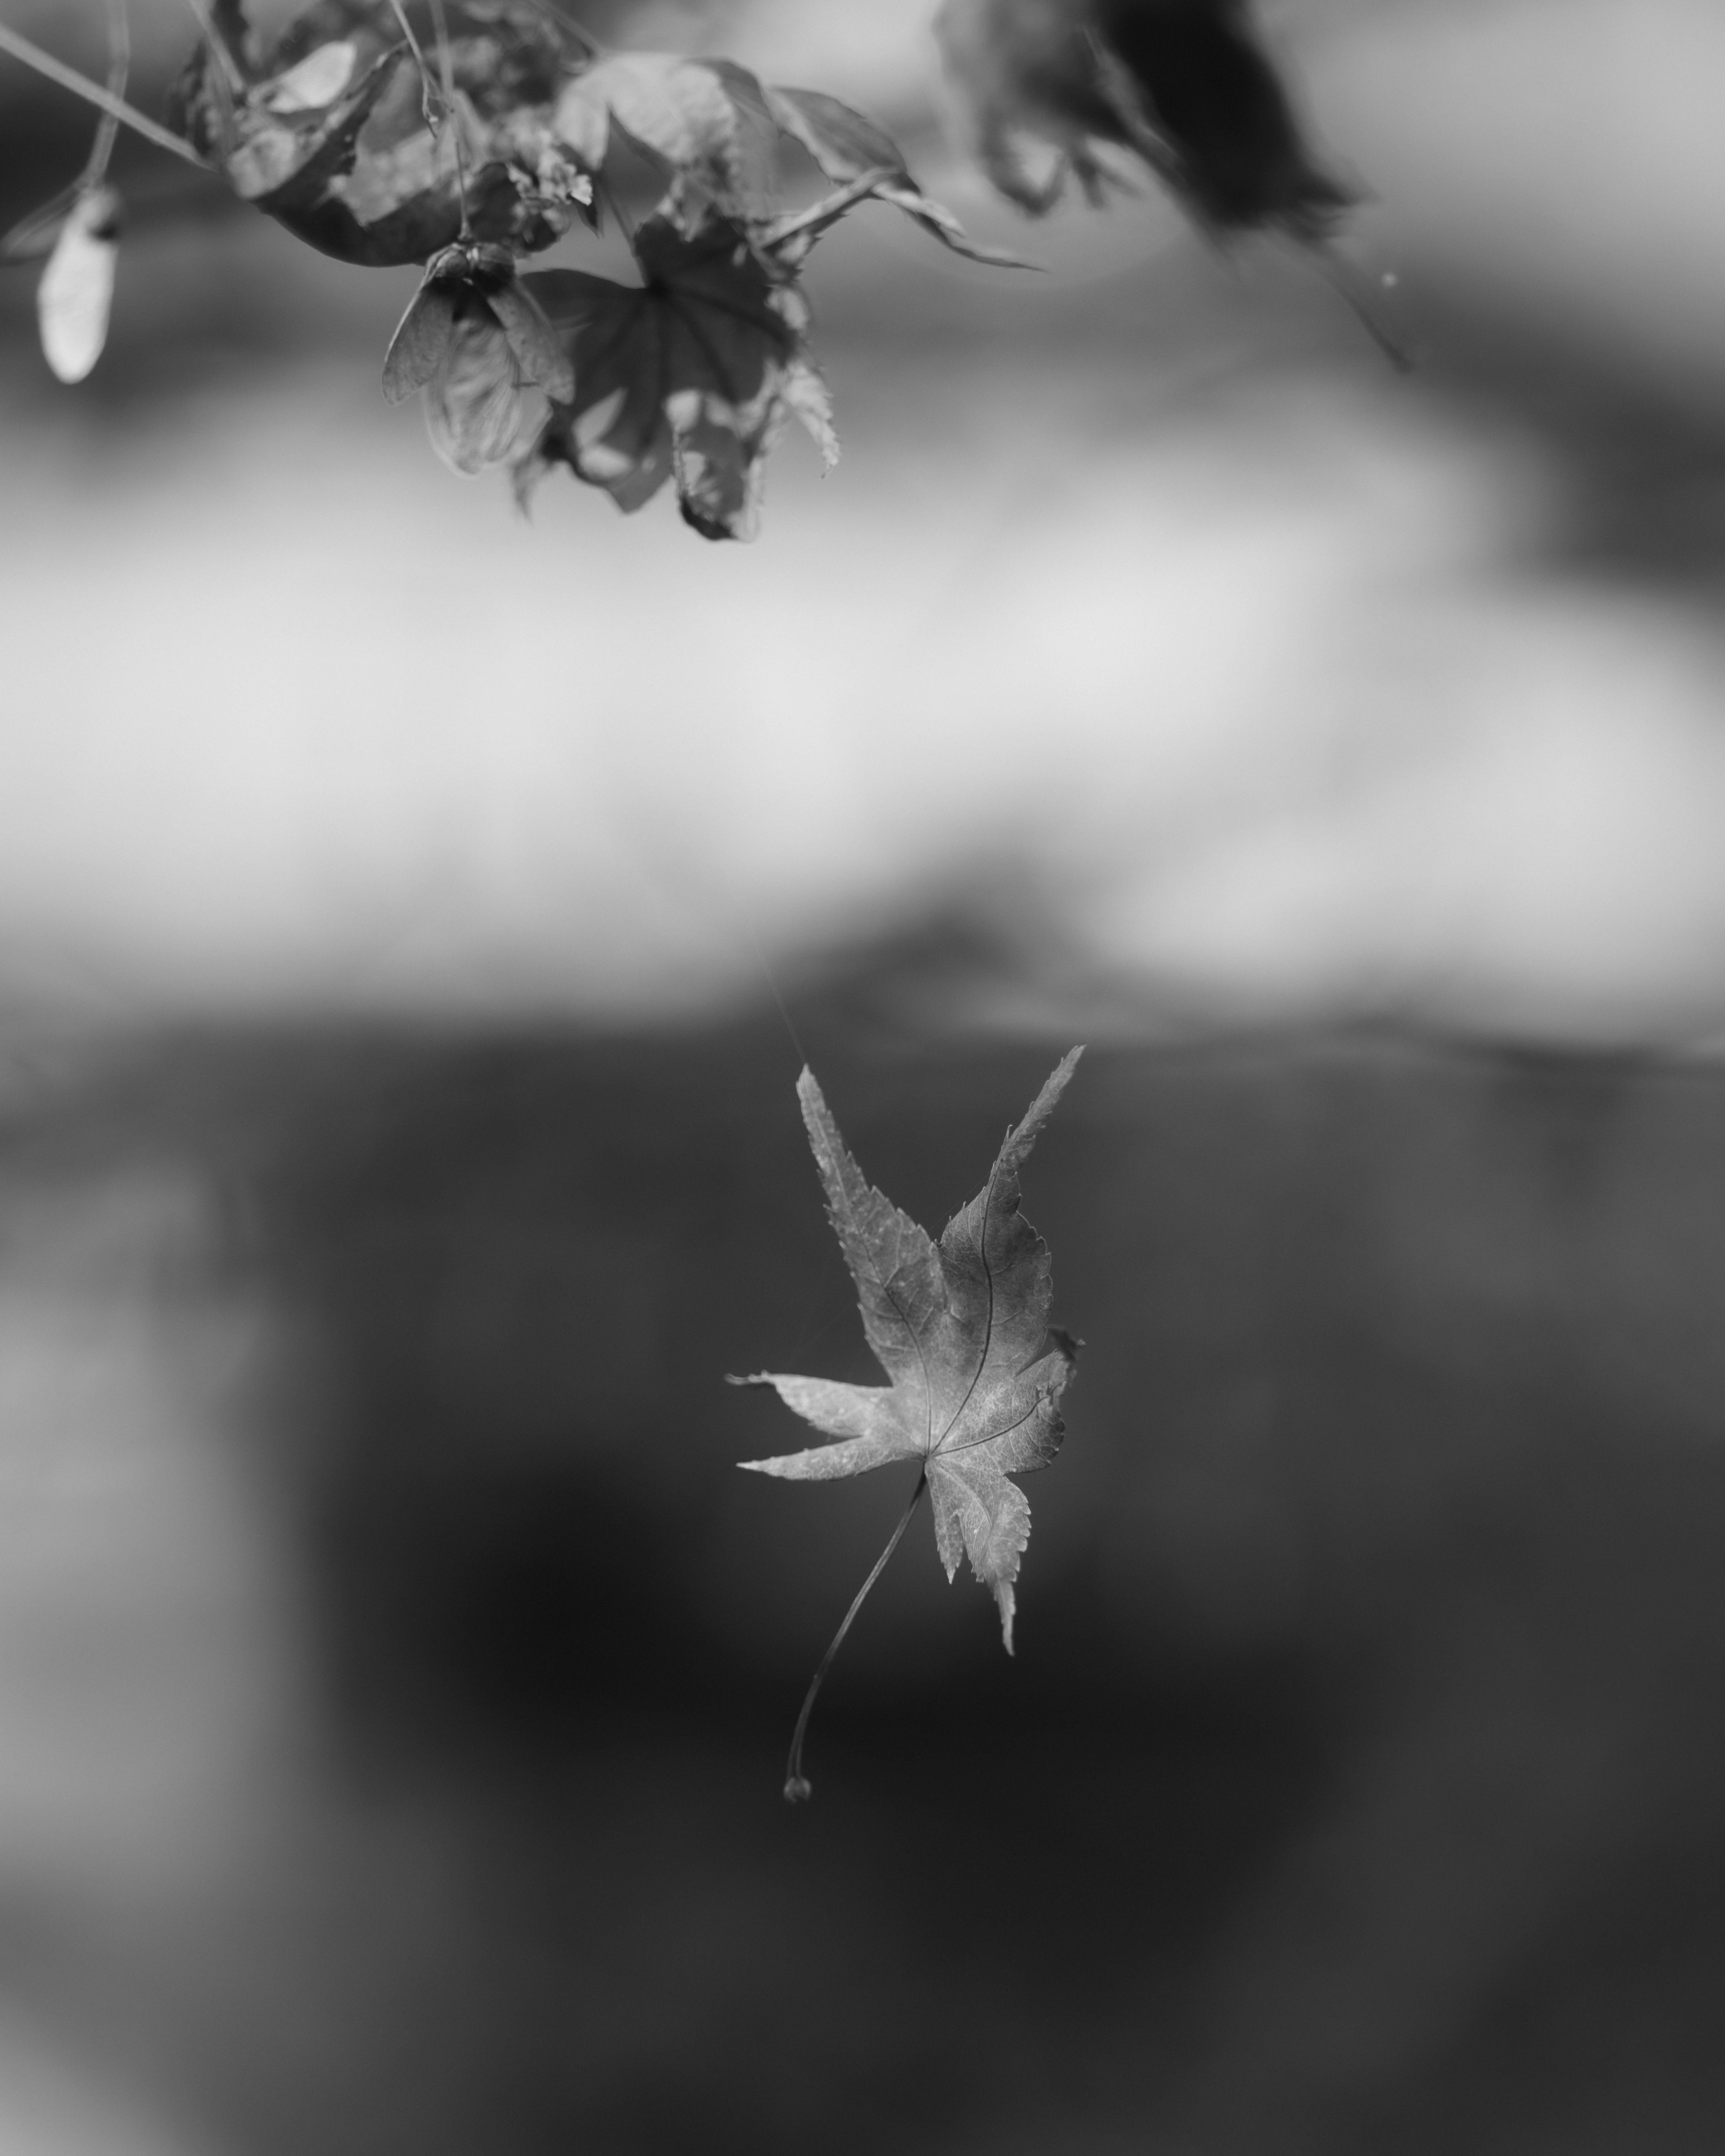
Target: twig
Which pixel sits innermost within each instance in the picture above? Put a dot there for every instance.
(431, 95)
(119, 68)
(446, 68)
(1367, 301)
(217, 43)
(427, 94)
(93, 93)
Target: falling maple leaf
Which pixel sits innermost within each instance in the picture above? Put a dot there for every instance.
(961, 1328)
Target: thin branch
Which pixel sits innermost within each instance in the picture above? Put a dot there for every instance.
(438, 105)
(1368, 302)
(218, 43)
(428, 93)
(452, 118)
(797, 1788)
(119, 69)
(93, 93)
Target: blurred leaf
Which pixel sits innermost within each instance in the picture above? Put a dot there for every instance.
(285, 158)
(1209, 90)
(1185, 87)
(673, 105)
(1029, 81)
(706, 121)
(961, 1329)
(313, 84)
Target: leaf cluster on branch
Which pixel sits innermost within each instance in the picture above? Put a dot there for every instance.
(472, 135)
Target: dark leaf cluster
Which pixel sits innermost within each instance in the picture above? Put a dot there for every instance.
(471, 136)
(474, 136)
(1089, 88)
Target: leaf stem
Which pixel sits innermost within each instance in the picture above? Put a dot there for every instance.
(796, 1788)
(93, 93)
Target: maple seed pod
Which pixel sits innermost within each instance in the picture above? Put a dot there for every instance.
(474, 338)
(482, 264)
(76, 295)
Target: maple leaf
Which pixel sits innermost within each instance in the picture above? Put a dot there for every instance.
(705, 121)
(847, 145)
(715, 128)
(690, 375)
(962, 1329)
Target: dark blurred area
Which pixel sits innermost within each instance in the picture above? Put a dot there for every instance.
(398, 1148)
(1356, 1783)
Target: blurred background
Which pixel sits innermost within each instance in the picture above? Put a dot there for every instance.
(413, 920)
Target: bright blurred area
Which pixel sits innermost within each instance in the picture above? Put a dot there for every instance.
(1268, 683)
(412, 921)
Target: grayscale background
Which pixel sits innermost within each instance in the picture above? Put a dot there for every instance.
(412, 921)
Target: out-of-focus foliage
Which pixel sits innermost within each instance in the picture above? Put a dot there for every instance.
(1185, 87)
